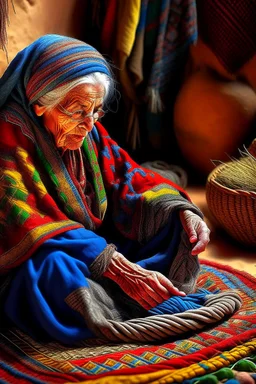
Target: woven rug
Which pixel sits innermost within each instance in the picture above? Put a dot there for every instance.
(24, 360)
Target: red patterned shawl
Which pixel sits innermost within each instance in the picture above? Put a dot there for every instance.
(39, 199)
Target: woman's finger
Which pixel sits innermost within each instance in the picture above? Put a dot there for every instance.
(191, 231)
(198, 248)
(167, 288)
(143, 303)
(134, 292)
(204, 238)
(150, 296)
(174, 291)
(158, 287)
(154, 293)
(189, 227)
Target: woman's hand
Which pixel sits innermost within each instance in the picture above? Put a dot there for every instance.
(196, 229)
(148, 288)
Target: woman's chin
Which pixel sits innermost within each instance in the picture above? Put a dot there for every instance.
(73, 145)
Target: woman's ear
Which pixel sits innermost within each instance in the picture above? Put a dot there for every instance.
(39, 109)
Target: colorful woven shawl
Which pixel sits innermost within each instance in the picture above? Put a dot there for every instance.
(38, 196)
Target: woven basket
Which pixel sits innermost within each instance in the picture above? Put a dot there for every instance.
(234, 210)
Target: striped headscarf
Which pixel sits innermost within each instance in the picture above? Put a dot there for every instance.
(48, 63)
(32, 169)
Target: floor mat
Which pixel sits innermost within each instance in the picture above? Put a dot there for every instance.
(25, 361)
(215, 370)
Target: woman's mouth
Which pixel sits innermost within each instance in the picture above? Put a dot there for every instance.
(79, 137)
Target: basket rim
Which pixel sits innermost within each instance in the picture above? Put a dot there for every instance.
(211, 180)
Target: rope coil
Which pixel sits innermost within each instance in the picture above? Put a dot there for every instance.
(157, 327)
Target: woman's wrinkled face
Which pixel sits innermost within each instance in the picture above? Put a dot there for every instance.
(67, 132)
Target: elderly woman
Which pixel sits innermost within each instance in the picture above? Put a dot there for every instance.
(89, 238)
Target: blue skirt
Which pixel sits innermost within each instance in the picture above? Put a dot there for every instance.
(37, 301)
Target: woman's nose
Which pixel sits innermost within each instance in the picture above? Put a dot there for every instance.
(89, 122)
(89, 127)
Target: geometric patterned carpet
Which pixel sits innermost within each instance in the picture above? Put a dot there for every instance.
(24, 360)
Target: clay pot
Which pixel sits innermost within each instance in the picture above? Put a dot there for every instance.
(212, 117)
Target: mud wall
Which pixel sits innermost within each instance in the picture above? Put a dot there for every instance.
(29, 19)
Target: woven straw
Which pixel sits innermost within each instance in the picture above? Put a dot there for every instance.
(234, 210)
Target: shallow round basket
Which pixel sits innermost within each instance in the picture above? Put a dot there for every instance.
(234, 210)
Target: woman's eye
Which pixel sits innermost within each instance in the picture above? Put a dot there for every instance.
(77, 113)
